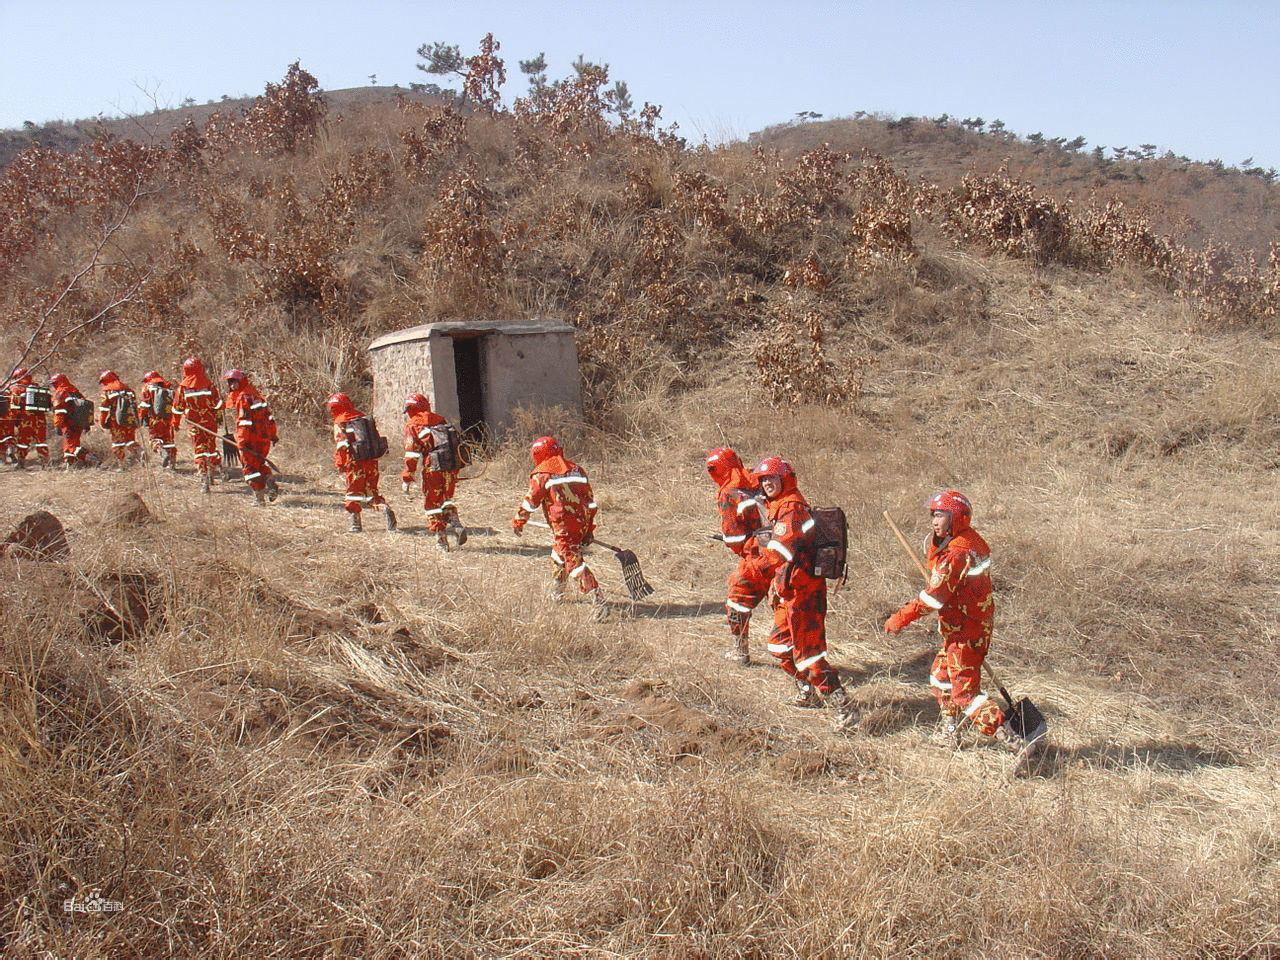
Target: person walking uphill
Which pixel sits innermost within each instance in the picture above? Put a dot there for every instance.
(429, 440)
(29, 405)
(739, 500)
(959, 590)
(560, 488)
(118, 413)
(72, 416)
(799, 637)
(198, 400)
(254, 434)
(155, 410)
(352, 437)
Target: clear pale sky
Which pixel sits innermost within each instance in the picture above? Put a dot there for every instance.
(1197, 78)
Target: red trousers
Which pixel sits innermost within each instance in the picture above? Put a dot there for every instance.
(747, 586)
(566, 554)
(253, 458)
(161, 433)
(437, 498)
(799, 637)
(123, 441)
(362, 485)
(956, 679)
(32, 436)
(204, 445)
(72, 449)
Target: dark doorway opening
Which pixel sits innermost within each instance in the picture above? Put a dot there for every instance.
(470, 380)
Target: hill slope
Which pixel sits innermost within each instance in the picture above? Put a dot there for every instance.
(304, 743)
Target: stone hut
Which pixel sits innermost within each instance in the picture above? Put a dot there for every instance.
(476, 373)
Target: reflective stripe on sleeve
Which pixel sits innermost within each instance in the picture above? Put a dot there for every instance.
(737, 539)
(978, 701)
(527, 507)
(929, 601)
(779, 548)
(412, 455)
(980, 568)
(808, 525)
(746, 505)
(734, 605)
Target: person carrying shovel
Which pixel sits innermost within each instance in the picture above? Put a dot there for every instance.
(739, 502)
(560, 488)
(198, 400)
(255, 433)
(958, 563)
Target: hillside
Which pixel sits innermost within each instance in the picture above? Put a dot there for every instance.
(299, 742)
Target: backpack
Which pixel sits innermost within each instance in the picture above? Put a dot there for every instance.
(124, 409)
(161, 402)
(366, 442)
(37, 399)
(830, 542)
(79, 411)
(444, 455)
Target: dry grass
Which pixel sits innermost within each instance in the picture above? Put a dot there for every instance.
(265, 738)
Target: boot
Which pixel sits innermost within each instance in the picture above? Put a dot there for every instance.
(846, 713)
(260, 498)
(805, 697)
(738, 653)
(599, 606)
(273, 489)
(167, 462)
(20, 465)
(390, 518)
(442, 542)
(458, 529)
(206, 483)
(356, 525)
(948, 732)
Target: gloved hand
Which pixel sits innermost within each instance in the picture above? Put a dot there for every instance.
(591, 535)
(907, 615)
(517, 526)
(406, 477)
(404, 486)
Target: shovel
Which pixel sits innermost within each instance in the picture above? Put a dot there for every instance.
(1025, 718)
(637, 587)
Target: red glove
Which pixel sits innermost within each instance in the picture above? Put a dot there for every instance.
(907, 615)
(517, 526)
(406, 477)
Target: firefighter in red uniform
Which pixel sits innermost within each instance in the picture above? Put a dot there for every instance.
(361, 475)
(30, 409)
(8, 428)
(959, 591)
(198, 400)
(118, 413)
(155, 410)
(74, 453)
(739, 500)
(255, 433)
(560, 488)
(799, 637)
(438, 486)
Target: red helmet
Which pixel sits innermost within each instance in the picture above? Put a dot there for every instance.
(417, 403)
(955, 503)
(107, 376)
(721, 463)
(234, 374)
(544, 448)
(192, 366)
(60, 380)
(779, 468)
(151, 375)
(339, 403)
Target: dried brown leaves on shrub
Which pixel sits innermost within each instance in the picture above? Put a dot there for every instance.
(796, 366)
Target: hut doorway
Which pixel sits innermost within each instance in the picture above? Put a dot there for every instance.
(469, 376)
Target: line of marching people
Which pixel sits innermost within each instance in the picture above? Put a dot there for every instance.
(765, 520)
(768, 525)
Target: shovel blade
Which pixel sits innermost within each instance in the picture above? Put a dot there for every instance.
(637, 587)
(1026, 720)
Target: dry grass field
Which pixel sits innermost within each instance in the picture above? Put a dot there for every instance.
(258, 736)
